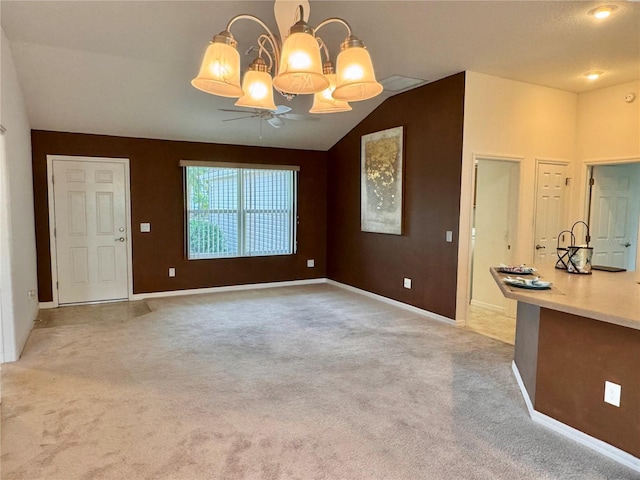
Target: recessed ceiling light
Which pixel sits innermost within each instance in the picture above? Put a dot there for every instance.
(602, 12)
(594, 74)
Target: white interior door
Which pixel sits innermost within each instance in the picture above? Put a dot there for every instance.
(90, 231)
(550, 211)
(615, 207)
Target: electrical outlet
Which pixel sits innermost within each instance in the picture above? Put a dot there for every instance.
(311, 263)
(449, 236)
(145, 227)
(407, 283)
(172, 272)
(612, 393)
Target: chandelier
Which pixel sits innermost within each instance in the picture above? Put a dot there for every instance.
(296, 65)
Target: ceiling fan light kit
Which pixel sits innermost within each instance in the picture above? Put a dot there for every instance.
(257, 87)
(324, 102)
(298, 68)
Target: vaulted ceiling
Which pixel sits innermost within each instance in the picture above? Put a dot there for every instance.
(124, 68)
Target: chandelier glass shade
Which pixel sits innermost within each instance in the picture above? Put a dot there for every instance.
(257, 87)
(220, 69)
(324, 102)
(298, 68)
(355, 78)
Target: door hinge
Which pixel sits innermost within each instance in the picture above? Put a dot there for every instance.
(592, 182)
(57, 286)
(55, 232)
(567, 181)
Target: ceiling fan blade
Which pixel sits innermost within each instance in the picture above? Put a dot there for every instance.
(295, 116)
(275, 122)
(280, 109)
(230, 110)
(239, 118)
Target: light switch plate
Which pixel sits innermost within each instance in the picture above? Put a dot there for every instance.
(407, 283)
(145, 227)
(311, 263)
(172, 272)
(449, 236)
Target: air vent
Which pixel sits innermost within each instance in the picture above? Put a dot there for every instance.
(399, 83)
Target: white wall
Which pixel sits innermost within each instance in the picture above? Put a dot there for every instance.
(608, 126)
(511, 119)
(608, 132)
(18, 273)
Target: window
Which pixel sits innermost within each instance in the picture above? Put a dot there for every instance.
(239, 211)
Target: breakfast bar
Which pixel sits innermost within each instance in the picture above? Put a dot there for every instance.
(570, 340)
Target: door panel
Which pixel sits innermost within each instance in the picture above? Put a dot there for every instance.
(90, 241)
(550, 204)
(615, 206)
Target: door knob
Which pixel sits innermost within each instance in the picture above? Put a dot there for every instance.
(539, 247)
(121, 239)
(627, 244)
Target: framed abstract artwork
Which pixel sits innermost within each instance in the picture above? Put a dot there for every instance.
(381, 181)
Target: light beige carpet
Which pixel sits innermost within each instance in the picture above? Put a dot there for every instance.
(301, 383)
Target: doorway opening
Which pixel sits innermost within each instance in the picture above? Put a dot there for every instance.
(493, 241)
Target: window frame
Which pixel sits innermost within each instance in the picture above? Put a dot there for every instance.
(241, 210)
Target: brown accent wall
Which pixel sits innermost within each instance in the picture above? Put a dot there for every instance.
(157, 197)
(432, 117)
(576, 355)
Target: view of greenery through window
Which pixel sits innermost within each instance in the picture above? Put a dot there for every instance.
(205, 237)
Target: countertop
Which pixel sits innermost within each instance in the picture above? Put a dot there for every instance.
(612, 297)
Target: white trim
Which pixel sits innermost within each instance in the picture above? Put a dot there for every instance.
(582, 438)
(52, 218)
(230, 288)
(395, 303)
(465, 226)
(246, 166)
(488, 306)
(46, 305)
(523, 389)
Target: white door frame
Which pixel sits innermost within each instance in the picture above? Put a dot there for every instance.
(52, 218)
(585, 171)
(463, 290)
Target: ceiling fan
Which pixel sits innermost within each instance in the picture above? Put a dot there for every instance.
(275, 118)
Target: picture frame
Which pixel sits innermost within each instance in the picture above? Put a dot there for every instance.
(381, 191)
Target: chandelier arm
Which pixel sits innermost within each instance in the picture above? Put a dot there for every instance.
(261, 39)
(270, 35)
(323, 46)
(334, 20)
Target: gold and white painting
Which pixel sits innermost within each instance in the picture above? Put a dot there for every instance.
(381, 181)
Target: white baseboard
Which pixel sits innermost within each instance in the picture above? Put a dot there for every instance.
(488, 306)
(523, 389)
(593, 443)
(46, 305)
(230, 288)
(395, 303)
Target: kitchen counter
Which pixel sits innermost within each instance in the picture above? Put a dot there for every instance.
(612, 297)
(571, 340)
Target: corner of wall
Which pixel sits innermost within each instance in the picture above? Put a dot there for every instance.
(19, 275)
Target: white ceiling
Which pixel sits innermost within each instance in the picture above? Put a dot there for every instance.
(124, 68)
